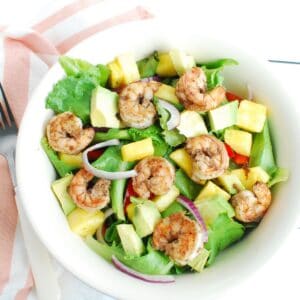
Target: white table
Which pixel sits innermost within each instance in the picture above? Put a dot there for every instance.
(268, 28)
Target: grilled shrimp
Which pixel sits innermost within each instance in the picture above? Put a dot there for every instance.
(191, 90)
(65, 133)
(209, 157)
(135, 104)
(251, 206)
(155, 175)
(87, 198)
(179, 237)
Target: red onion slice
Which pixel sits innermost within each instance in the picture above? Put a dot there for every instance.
(148, 278)
(101, 173)
(99, 234)
(174, 114)
(190, 206)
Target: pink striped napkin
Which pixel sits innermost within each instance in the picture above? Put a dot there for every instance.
(25, 55)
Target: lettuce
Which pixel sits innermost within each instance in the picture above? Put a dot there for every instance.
(280, 175)
(77, 67)
(186, 186)
(223, 232)
(147, 66)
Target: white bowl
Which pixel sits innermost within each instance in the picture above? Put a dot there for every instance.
(35, 173)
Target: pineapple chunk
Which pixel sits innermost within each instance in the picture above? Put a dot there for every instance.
(165, 66)
(211, 191)
(183, 160)
(167, 92)
(85, 223)
(249, 177)
(191, 124)
(129, 67)
(181, 61)
(164, 201)
(137, 150)
(251, 116)
(230, 182)
(130, 211)
(74, 160)
(116, 77)
(240, 141)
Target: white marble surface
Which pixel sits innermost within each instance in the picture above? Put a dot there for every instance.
(269, 29)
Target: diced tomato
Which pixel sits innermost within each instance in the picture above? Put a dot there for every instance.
(231, 96)
(229, 150)
(93, 155)
(241, 159)
(128, 193)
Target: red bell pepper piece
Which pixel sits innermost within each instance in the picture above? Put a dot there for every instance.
(128, 193)
(93, 155)
(232, 97)
(229, 150)
(237, 158)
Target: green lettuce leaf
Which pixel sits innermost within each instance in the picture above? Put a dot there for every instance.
(280, 175)
(61, 167)
(77, 67)
(218, 64)
(173, 137)
(72, 94)
(163, 114)
(147, 66)
(111, 234)
(186, 186)
(262, 151)
(223, 232)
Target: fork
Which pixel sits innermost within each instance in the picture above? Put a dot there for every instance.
(46, 283)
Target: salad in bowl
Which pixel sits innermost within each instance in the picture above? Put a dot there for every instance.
(159, 167)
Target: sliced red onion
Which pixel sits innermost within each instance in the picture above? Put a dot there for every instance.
(99, 234)
(101, 173)
(174, 114)
(148, 278)
(250, 92)
(151, 78)
(190, 206)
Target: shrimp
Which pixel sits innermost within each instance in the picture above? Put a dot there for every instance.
(155, 175)
(135, 104)
(209, 157)
(87, 198)
(191, 90)
(251, 206)
(65, 134)
(179, 237)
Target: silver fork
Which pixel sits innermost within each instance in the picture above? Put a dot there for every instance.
(46, 283)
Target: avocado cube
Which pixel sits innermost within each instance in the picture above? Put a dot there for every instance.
(60, 189)
(240, 141)
(181, 61)
(211, 208)
(231, 183)
(211, 191)
(165, 67)
(137, 150)
(146, 216)
(164, 201)
(85, 223)
(74, 160)
(167, 92)
(250, 176)
(198, 263)
(104, 108)
(191, 124)
(251, 116)
(129, 67)
(131, 242)
(223, 116)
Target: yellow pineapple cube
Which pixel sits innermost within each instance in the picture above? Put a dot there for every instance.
(211, 191)
(130, 211)
(167, 92)
(249, 177)
(74, 160)
(129, 67)
(116, 77)
(240, 141)
(165, 66)
(183, 160)
(251, 116)
(137, 150)
(85, 223)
